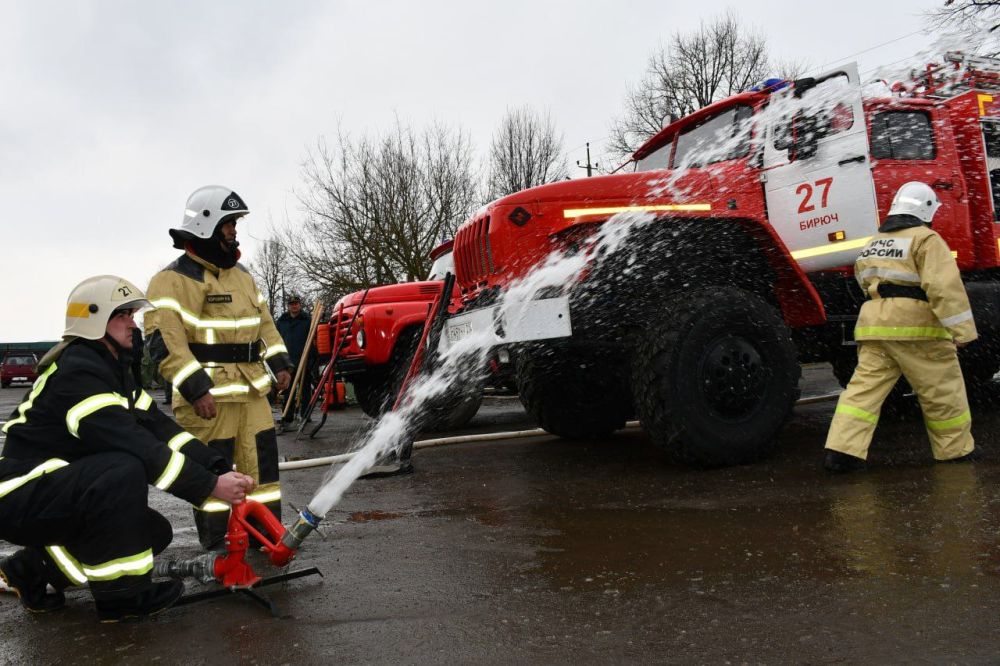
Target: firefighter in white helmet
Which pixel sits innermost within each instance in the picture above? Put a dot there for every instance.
(81, 451)
(916, 315)
(211, 334)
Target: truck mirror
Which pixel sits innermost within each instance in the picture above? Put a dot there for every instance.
(801, 86)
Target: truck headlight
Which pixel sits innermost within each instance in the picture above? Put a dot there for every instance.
(361, 339)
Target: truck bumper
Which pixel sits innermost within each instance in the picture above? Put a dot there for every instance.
(513, 322)
(351, 366)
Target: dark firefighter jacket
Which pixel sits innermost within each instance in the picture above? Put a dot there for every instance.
(85, 402)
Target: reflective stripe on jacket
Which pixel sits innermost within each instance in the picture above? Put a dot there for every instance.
(84, 403)
(198, 302)
(914, 256)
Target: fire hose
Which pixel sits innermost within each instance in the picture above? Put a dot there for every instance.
(488, 437)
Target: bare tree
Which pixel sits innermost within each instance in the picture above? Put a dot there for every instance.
(376, 207)
(270, 268)
(719, 59)
(525, 152)
(979, 20)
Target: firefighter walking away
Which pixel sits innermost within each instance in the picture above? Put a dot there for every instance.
(916, 316)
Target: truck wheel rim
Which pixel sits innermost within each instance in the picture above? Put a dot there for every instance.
(732, 377)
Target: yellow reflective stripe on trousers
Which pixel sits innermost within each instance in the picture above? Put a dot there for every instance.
(36, 389)
(959, 420)
(134, 565)
(171, 471)
(903, 332)
(144, 402)
(85, 408)
(185, 372)
(190, 318)
(13, 484)
(179, 440)
(275, 349)
(857, 413)
(229, 389)
(67, 564)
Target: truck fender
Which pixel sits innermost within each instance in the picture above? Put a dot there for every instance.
(800, 303)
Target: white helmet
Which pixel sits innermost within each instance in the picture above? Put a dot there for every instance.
(92, 302)
(206, 209)
(916, 199)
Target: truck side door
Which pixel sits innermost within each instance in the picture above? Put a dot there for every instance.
(819, 189)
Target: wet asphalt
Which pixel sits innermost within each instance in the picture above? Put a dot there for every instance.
(541, 550)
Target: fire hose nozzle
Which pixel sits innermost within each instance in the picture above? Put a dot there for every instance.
(295, 534)
(201, 568)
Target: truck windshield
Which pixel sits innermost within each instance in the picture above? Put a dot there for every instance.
(725, 136)
(442, 265)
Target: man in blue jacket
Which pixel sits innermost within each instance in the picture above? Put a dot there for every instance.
(293, 325)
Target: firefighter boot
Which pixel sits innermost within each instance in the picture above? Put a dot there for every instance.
(159, 597)
(836, 462)
(23, 572)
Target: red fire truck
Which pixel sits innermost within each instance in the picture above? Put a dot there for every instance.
(759, 205)
(380, 329)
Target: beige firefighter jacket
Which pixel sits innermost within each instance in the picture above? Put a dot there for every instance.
(914, 256)
(196, 302)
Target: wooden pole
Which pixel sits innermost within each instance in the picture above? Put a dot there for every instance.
(294, 387)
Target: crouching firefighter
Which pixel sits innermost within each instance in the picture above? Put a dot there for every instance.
(916, 315)
(81, 452)
(210, 334)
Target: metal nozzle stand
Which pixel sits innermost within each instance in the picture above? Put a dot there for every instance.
(231, 569)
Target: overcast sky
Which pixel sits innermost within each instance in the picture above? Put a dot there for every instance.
(112, 113)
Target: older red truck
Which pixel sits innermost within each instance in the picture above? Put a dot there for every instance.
(379, 345)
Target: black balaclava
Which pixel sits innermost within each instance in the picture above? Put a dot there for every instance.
(210, 249)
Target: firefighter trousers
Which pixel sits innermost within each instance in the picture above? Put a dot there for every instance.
(931, 367)
(90, 522)
(243, 433)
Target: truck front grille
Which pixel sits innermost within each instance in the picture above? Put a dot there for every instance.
(473, 254)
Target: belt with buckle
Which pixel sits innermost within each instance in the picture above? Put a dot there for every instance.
(226, 353)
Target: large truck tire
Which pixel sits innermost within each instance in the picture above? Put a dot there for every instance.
(573, 393)
(715, 377)
(372, 392)
(451, 412)
(377, 389)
